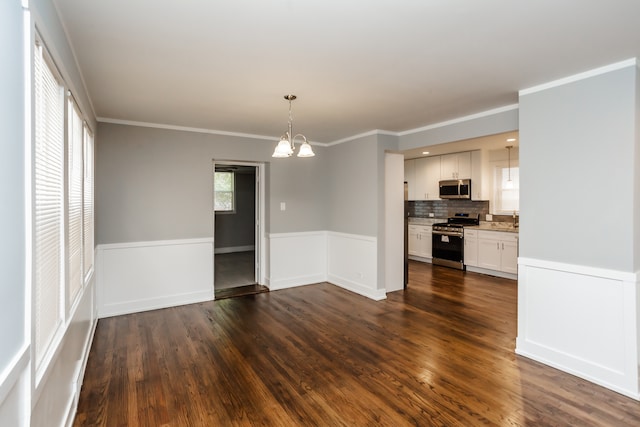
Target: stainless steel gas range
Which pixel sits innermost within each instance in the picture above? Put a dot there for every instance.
(448, 240)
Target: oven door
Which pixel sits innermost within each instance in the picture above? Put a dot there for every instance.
(447, 246)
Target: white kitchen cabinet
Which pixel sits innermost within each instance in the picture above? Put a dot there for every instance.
(427, 177)
(455, 166)
(420, 240)
(498, 251)
(509, 258)
(479, 183)
(471, 247)
(410, 178)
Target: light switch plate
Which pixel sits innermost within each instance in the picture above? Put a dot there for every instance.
(283, 206)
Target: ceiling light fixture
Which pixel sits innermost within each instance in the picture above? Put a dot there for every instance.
(509, 183)
(286, 146)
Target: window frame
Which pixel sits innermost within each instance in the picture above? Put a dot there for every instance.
(500, 169)
(63, 178)
(232, 191)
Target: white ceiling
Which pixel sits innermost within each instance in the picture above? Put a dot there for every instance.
(355, 65)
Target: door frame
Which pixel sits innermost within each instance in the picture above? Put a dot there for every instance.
(259, 223)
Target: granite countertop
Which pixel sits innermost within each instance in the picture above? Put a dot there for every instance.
(495, 226)
(484, 225)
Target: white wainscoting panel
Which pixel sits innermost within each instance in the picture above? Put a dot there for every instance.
(15, 388)
(353, 264)
(581, 320)
(55, 399)
(134, 277)
(297, 259)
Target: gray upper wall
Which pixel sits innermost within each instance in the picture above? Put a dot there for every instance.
(353, 186)
(156, 184)
(578, 172)
(500, 121)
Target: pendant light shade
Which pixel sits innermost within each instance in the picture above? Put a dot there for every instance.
(283, 149)
(305, 150)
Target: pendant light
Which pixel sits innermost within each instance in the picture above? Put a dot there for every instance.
(286, 146)
(509, 183)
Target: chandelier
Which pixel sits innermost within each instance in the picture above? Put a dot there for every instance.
(286, 146)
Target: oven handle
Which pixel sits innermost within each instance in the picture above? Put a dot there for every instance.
(447, 233)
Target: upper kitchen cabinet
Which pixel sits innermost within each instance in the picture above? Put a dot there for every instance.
(427, 173)
(455, 166)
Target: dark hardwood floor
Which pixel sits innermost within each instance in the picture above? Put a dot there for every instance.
(440, 353)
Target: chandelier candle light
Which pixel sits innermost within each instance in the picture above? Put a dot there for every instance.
(286, 146)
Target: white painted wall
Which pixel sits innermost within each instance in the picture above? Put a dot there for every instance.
(394, 221)
(297, 259)
(352, 263)
(13, 227)
(140, 276)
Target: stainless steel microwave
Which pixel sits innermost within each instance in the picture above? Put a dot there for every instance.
(455, 189)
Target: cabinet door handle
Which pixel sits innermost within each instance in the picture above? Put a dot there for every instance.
(503, 246)
(498, 245)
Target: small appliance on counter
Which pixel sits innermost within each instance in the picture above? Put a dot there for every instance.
(448, 240)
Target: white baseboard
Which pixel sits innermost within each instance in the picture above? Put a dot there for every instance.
(374, 294)
(141, 276)
(581, 320)
(488, 272)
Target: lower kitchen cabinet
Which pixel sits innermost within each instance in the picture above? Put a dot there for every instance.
(498, 251)
(471, 248)
(420, 241)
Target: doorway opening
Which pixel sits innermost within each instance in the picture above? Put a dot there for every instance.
(238, 243)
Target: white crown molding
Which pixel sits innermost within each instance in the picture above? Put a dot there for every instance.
(362, 135)
(192, 129)
(337, 142)
(580, 76)
(461, 119)
(182, 128)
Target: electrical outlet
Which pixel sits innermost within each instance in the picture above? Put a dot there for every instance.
(489, 217)
(431, 215)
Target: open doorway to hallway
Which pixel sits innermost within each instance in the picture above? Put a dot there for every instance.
(236, 229)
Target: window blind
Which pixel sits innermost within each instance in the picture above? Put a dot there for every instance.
(48, 204)
(74, 200)
(88, 214)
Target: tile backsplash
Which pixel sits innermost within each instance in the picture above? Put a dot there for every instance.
(448, 208)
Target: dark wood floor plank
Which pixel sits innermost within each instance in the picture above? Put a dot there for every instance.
(440, 353)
